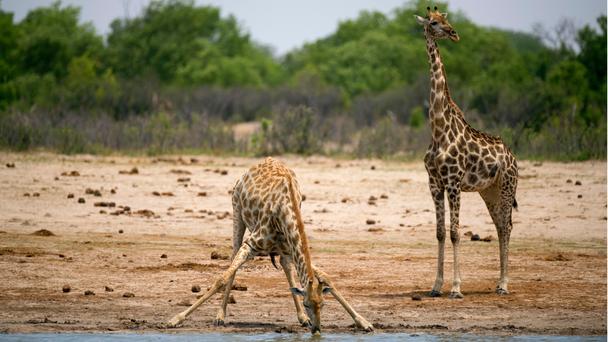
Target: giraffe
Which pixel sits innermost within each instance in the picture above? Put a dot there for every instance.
(266, 201)
(461, 158)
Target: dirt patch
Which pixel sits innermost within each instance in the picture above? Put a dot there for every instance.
(557, 270)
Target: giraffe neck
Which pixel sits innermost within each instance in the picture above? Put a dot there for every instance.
(301, 259)
(440, 94)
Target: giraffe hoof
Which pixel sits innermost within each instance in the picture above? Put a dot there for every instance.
(435, 293)
(501, 291)
(218, 322)
(305, 323)
(456, 295)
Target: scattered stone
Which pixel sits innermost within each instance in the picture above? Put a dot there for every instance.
(475, 237)
(108, 289)
(579, 196)
(223, 215)
(346, 200)
(169, 194)
(36, 194)
(43, 232)
(416, 296)
(224, 172)
(163, 256)
(375, 230)
(145, 213)
(89, 293)
(105, 204)
(188, 210)
(578, 183)
(384, 196)
(215, 256)
(487, 238)
(156, 193)
(193, 160)
(373, 167)
(568, 180)
(183, 179)
(27, 194)
(120, 231)
(66, 288)
(557, 257)
(195, 288)
(202, 194)
(370, 221)
(180, 172)
(73, 173)
(70, 195)
(133, 171)
(372, 198)
(239, 287)
(128, 295)
(10, 165)
(113, 191)
(303, 197)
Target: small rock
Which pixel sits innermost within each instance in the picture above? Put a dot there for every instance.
(215, 255)
(133, 171)
(373, 167)
(303, 198)
(66, 288)
(202, 194)
(224, 172)
(579, 196)
(156, 193)
(163, 256)
(89, 293)
(487, 238)
(195, 288)
(81, 200)
(10, 165)
(568, 180)
(108, 289)
(346, 199)
(370, 221)
(43, 232)
(183, 180)
(384, 196)
(113, 191)
(27, 194)
(120, 231)
(416, 296)
(36, 194)
(70, 195)
(73, 173)
(128, 294)
(578, 183)
(475, 237)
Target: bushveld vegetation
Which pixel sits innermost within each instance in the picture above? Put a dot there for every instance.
(178, 76)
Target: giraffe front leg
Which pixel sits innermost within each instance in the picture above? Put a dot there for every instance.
(504, 234)
(360, 322)
(287, 266)
(438, 198)
(454, 201)
(244, 253)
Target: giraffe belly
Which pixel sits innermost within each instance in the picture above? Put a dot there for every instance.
(474, 182)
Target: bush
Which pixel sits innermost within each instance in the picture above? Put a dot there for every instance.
(295, 130)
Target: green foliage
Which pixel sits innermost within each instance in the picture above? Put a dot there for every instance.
(178, 74)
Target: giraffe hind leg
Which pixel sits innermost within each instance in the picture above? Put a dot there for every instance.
(500, 205)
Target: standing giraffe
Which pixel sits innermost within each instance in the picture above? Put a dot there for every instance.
(266, 201)
(461, 158)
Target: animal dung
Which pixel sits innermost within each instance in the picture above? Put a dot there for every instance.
(128, 295)
(133, 171)
(66, 288)
(73, 173)
(108, 289)
(163, 256)
(217, 256)
(202, 194)
(70, 195)
(89, 293)
(43, 232)
(183, 179)
(10, 165)
(105, 204)
(475, 237)
(195, 288)
(370, 221)
(416, 296)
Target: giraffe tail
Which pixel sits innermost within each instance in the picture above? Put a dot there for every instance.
(515, 204)
(272, 256)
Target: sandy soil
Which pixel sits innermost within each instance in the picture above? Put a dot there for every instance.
(557, 260)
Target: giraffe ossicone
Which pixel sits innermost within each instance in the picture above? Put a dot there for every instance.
(266, 201)
(461, 158)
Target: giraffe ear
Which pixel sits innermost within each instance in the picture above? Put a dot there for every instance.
(297, 292)
(421, 20)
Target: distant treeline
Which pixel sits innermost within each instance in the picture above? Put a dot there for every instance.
(178, 76)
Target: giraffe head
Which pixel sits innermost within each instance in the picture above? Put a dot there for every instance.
(313, 302)
(437, 26)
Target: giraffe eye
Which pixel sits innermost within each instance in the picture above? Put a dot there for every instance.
(434, 23)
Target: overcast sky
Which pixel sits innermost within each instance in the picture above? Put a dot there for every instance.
(286, 24)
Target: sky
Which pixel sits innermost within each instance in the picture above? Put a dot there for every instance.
(288, 24)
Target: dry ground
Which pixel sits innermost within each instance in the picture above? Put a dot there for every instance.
(557, 260)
